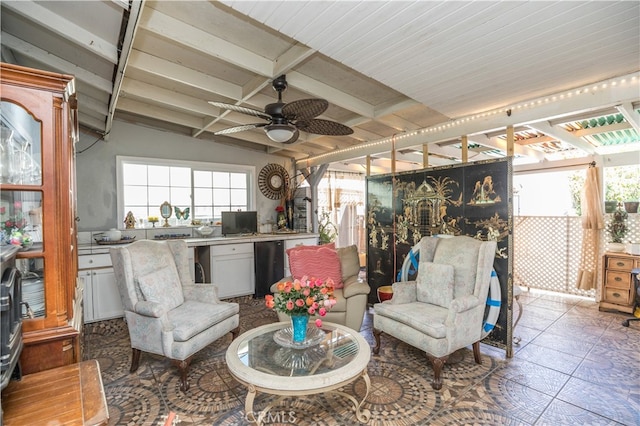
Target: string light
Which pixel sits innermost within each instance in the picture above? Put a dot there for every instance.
(461, 120)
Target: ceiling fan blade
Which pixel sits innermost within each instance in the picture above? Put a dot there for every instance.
(237, 129)
(244, 110)
(304, 109)
(324, 127)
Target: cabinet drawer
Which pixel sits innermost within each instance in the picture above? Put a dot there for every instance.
(227, 249)
(94, 261)
(618, 279)
(617, 295)
(620, 263)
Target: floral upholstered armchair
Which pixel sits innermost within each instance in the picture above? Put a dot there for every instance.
(166, 313)
(443, 309)
(343, 266)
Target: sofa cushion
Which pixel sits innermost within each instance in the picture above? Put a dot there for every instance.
(163, 287)
(435, 283)
(349, 261)
(320, 262)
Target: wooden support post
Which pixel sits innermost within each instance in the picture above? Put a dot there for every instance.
(465, 149)
(510, 141)
(425, 155)
(393, 158)
(368, 163)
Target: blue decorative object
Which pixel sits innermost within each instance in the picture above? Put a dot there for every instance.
(299, 325)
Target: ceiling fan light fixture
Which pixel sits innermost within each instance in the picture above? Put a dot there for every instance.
(279, 132)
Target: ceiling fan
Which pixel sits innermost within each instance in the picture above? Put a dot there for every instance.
(286, 120)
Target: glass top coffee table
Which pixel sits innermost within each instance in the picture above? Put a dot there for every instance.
(262, 365)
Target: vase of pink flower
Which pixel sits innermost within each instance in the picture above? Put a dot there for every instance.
(302, 299)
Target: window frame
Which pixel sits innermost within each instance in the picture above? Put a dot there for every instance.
(249, 170)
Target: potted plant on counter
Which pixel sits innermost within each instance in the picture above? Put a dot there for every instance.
(617, 229)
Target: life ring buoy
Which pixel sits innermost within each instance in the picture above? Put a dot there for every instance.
(494, 298)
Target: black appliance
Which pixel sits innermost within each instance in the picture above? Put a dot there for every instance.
(10, 316)
(269, 265)
(238, 223)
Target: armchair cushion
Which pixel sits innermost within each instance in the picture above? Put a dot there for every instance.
(426, 318)
(435, 283)
(320, 262)
(194, 317)
(163, 287)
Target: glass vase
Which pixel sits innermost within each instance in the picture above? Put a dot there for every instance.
(299, 326)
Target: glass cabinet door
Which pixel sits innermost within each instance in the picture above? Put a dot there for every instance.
(20, 146)
(21, 204)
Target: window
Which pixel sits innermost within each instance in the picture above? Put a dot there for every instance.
(547, 194)
(207, 189)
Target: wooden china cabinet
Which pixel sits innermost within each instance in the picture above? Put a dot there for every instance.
(38, 119)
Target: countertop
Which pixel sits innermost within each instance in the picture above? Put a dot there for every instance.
(94, 248)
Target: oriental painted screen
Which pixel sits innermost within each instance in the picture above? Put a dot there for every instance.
(472, 199)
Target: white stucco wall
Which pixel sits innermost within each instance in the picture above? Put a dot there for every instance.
(96, 168)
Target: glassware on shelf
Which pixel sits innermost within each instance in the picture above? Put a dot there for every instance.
(17, 166)
(6, 155)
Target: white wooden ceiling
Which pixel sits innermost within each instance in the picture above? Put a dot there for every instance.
(399, 73)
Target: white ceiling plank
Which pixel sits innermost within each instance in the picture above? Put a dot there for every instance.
(180, 33)
(57, 63)
(64, 28)
(630, 114)
(183, 75)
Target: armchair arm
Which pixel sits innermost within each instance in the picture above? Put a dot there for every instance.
(354, 287)
(207, 293)
(403, 292)
(149, 309)
(464, 303)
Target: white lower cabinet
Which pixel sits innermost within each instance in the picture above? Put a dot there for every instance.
(101, 296)
(232, 269)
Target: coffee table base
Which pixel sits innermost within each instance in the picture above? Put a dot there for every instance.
(363, 415)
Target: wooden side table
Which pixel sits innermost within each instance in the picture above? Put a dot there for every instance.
(617, 282)
(69, 395)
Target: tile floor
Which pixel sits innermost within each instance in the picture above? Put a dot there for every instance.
(574, 366)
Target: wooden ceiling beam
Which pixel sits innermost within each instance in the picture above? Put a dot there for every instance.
(64, 28)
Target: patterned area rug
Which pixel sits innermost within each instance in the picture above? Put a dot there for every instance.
(498, 391)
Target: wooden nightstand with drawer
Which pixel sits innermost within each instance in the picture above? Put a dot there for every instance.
(617, 282)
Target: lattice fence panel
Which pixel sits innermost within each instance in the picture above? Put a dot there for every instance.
(547, 251)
